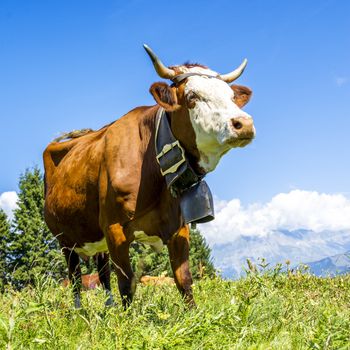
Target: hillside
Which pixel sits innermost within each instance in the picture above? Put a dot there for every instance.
(270, 311)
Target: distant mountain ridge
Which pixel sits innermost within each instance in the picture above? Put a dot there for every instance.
(331, 266)
(297, 246)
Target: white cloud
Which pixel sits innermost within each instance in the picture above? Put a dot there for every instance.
(8, 202)
(286, 211)
(340, 81)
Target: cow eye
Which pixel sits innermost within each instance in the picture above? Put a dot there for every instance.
(191, 98)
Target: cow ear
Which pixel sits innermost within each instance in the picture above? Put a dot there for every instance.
(165, 96)
(242, 95)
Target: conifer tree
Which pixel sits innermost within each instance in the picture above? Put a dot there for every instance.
(4, 239)
(147, 262)
(200, 259)
(32, 250)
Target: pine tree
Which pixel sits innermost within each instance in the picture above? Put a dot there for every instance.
(200, 259)
(4, 239)
(147, 262)
(33, 250)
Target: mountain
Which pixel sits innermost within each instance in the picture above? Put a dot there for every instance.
(297, 246)
(331, 266)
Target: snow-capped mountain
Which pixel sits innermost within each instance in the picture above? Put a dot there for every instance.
(300, 226)
(298, 246)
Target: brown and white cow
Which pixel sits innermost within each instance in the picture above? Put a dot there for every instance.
(104, 188)
(88, 281)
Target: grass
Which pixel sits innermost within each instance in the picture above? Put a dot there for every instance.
(272, 310)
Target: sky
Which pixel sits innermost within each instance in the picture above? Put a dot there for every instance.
(68, 65)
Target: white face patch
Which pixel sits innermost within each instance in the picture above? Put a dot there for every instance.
(212, 116)
(92, 248)
(154, 241)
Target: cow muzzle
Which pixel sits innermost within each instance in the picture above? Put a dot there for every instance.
(244, 130)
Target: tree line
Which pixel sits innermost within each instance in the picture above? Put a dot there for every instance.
(28, 248)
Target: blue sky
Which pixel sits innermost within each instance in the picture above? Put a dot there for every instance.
(74, 64)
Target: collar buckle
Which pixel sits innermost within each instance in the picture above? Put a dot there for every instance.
(170, 153)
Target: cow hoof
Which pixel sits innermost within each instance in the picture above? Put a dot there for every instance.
(190, 303)
(77, 303)
(110, 302)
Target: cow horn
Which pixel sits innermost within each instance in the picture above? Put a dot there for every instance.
(230, 77)
(163, 72)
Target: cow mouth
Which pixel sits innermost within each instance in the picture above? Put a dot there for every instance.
(240, 142)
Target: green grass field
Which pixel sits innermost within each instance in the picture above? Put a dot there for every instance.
(269, 311)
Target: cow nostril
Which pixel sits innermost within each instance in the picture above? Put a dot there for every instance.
(237, 125)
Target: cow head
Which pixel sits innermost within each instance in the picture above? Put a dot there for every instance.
(206, 114)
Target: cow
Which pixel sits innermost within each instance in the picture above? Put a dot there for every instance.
(105, 189)
(89, 281)
(156, 280)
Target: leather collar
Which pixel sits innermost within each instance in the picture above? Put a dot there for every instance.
(181, 77)
(196, 200)
(171, 157)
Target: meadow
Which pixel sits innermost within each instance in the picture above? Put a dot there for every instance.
(270, 310)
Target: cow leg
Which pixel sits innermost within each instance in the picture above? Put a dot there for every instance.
(178, 247)
(74, 274)
(104, 273)
(118, 247)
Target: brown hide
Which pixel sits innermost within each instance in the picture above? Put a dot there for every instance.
(107, 184)
(156, 280)
(106, 177)
(90, 281)
(242, 95)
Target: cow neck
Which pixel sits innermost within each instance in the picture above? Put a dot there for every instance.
(196, 201)
(171, 157)
(185, 138)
